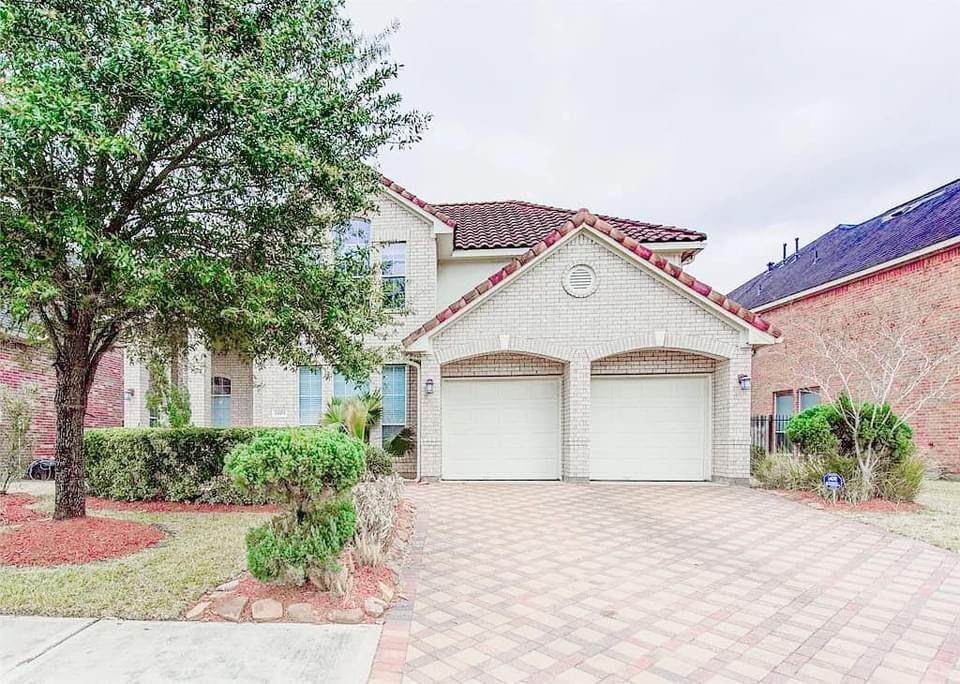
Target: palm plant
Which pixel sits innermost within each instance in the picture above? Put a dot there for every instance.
(354, 415)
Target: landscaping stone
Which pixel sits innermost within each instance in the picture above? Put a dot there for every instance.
(229, 586)
(301, 612)
(198, 610)
(267, 610)
(387, 591)
(374, 607)
(231, 608)
(346, 616)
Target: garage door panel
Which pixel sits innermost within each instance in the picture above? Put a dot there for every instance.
(649, 428)
(503, 428)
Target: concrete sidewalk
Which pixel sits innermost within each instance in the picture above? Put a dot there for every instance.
(45, 649)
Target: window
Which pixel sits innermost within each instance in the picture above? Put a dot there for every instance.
(344, 387)
(220, 413)
(394, 400)
(782, 411)
(809, 398)
(311, 395)
(354, 237)
(394, 259)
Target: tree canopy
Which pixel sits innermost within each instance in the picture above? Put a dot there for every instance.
(175, 165)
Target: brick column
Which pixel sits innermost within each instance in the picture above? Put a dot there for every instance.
(198, 374)
(575, 460)
(731, 420)
(429, 433)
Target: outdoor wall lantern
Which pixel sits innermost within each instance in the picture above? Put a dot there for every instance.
(744, 381)
(128, 394)
(428, 385)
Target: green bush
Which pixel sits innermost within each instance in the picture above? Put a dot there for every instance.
(757, 455)
(814, 431)
(175, 464)
(379, 462)
(285, 550)
(299, 467)
(310, 471)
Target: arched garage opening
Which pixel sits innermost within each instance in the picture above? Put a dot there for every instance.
(500, 417)
(651, 416)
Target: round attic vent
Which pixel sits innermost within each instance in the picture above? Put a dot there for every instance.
(580, 281)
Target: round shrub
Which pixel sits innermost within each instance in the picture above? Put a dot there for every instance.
(285, 549)
(379, 462)
(814, 431)
(299, 467)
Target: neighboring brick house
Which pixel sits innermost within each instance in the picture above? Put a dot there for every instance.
(585, 352)
(910, 252)
(24, 364)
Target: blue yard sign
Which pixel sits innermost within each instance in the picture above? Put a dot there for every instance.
(833, 481)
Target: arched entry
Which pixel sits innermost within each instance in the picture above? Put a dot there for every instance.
(501, 417)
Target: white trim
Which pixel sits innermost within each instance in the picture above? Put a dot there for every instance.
(885, 266)
(481, 253)
(676, 246)
(438, 225)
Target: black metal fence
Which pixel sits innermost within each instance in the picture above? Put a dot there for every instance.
(770, 433)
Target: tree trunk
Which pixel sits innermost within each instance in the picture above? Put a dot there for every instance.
(71, 406)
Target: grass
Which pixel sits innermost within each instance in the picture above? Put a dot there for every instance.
(938, 523)
(202, 551)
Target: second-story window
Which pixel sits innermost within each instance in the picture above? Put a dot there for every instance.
(394, 258)
(354, 237)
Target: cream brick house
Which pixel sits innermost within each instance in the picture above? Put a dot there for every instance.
(585, 352)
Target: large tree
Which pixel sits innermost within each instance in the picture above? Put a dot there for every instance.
(178, 165)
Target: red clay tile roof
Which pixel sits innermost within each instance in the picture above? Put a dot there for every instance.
(513, 223)
(410, 197)
(632, 244)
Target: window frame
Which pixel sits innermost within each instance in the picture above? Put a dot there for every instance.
(346, 247)
(404, 395)
(317, 373)
(815, 391)
(226, 383)
(401, 278)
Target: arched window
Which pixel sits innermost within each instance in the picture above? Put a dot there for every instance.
(220, 413)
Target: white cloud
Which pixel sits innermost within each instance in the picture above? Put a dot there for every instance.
(752, 121)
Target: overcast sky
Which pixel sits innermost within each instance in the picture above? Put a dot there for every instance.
(753, 122)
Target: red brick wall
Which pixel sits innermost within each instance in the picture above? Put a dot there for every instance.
(21, 364)
(933, 280)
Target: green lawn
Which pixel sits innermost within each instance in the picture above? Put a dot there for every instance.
(202, 551)
(938, 523)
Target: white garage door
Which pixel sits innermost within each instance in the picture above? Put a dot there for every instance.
(501, 428)
(649, 428)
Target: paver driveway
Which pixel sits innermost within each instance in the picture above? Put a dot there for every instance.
(544, 582)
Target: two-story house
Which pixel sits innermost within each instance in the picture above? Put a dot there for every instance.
(540, 344)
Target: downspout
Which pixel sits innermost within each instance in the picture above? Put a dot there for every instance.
(416, 364)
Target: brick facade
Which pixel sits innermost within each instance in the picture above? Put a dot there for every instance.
(929, 282)
(634, 322)
(22, 365)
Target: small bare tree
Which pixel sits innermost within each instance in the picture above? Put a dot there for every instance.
(17, 408)
(883, 351)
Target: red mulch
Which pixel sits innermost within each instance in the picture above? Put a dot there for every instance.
(96, 504)
(871, 506)
(79, 540)
(15, 508)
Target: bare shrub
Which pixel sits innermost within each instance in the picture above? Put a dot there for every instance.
(376, 504)
(17, 407)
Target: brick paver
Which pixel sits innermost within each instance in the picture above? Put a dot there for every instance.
(582, 583)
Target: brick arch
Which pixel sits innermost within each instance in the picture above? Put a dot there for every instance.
(504, 343)
(661, 339)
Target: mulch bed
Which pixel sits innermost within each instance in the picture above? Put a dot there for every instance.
(15, 509)
(871, 506)
(96, 504)
(79, 540)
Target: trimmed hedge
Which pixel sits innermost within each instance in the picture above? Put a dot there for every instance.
(172, 464)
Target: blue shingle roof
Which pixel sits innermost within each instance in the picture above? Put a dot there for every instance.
(849, 248)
